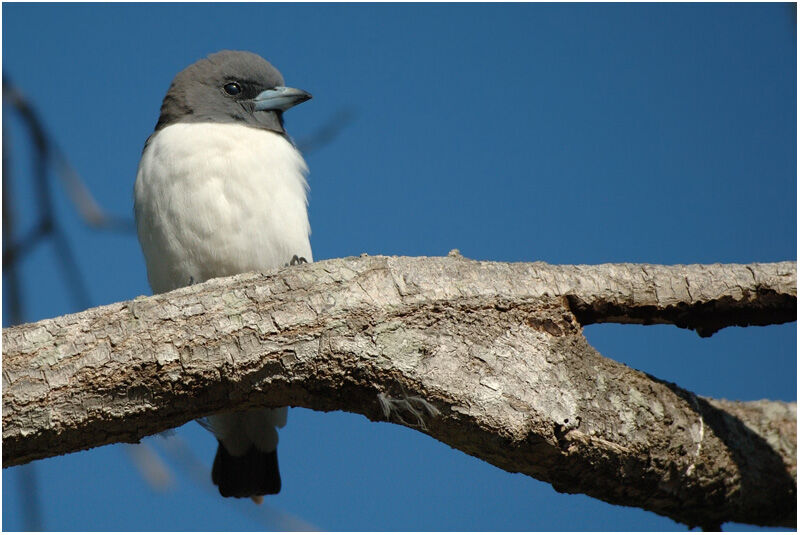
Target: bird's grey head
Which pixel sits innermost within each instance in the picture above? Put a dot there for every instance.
(230, 86)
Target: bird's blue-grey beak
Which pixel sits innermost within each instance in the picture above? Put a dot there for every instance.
(280, 98)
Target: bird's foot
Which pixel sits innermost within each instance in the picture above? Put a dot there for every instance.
(296, 260)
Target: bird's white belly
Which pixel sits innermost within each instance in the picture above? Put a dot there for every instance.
(214, 199)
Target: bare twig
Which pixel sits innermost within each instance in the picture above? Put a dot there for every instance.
(327, 132)
(46, 152)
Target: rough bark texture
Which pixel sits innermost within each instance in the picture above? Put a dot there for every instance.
(487, 357)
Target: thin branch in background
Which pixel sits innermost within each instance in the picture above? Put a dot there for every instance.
(159, 476)
(75, 281)
(150, 466)
(29, 493)
(269, 517)
(327, 132)
(88, 209)
(46, 225)
(26, 478)
(10, 271)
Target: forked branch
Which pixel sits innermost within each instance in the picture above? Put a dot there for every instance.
(487, 357)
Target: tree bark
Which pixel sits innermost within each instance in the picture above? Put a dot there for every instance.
(487, 357)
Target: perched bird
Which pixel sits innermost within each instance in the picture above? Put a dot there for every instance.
(221, 190)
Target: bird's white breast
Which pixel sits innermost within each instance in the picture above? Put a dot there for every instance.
(214, 199)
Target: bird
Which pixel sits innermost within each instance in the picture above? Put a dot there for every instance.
(221, 189)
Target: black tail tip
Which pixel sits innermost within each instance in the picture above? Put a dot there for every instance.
(253, 474)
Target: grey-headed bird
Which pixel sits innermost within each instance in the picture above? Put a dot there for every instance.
(221, 190)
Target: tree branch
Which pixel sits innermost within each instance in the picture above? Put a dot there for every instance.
(486, 357)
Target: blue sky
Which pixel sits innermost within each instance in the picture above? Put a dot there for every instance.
(564, 133)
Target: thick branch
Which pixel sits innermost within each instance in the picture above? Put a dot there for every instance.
(496, 349)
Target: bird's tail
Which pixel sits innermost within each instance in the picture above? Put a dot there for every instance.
(253, 474)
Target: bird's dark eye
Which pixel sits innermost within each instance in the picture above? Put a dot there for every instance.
(233, 88)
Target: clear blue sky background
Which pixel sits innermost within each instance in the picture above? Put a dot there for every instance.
(560, 133)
